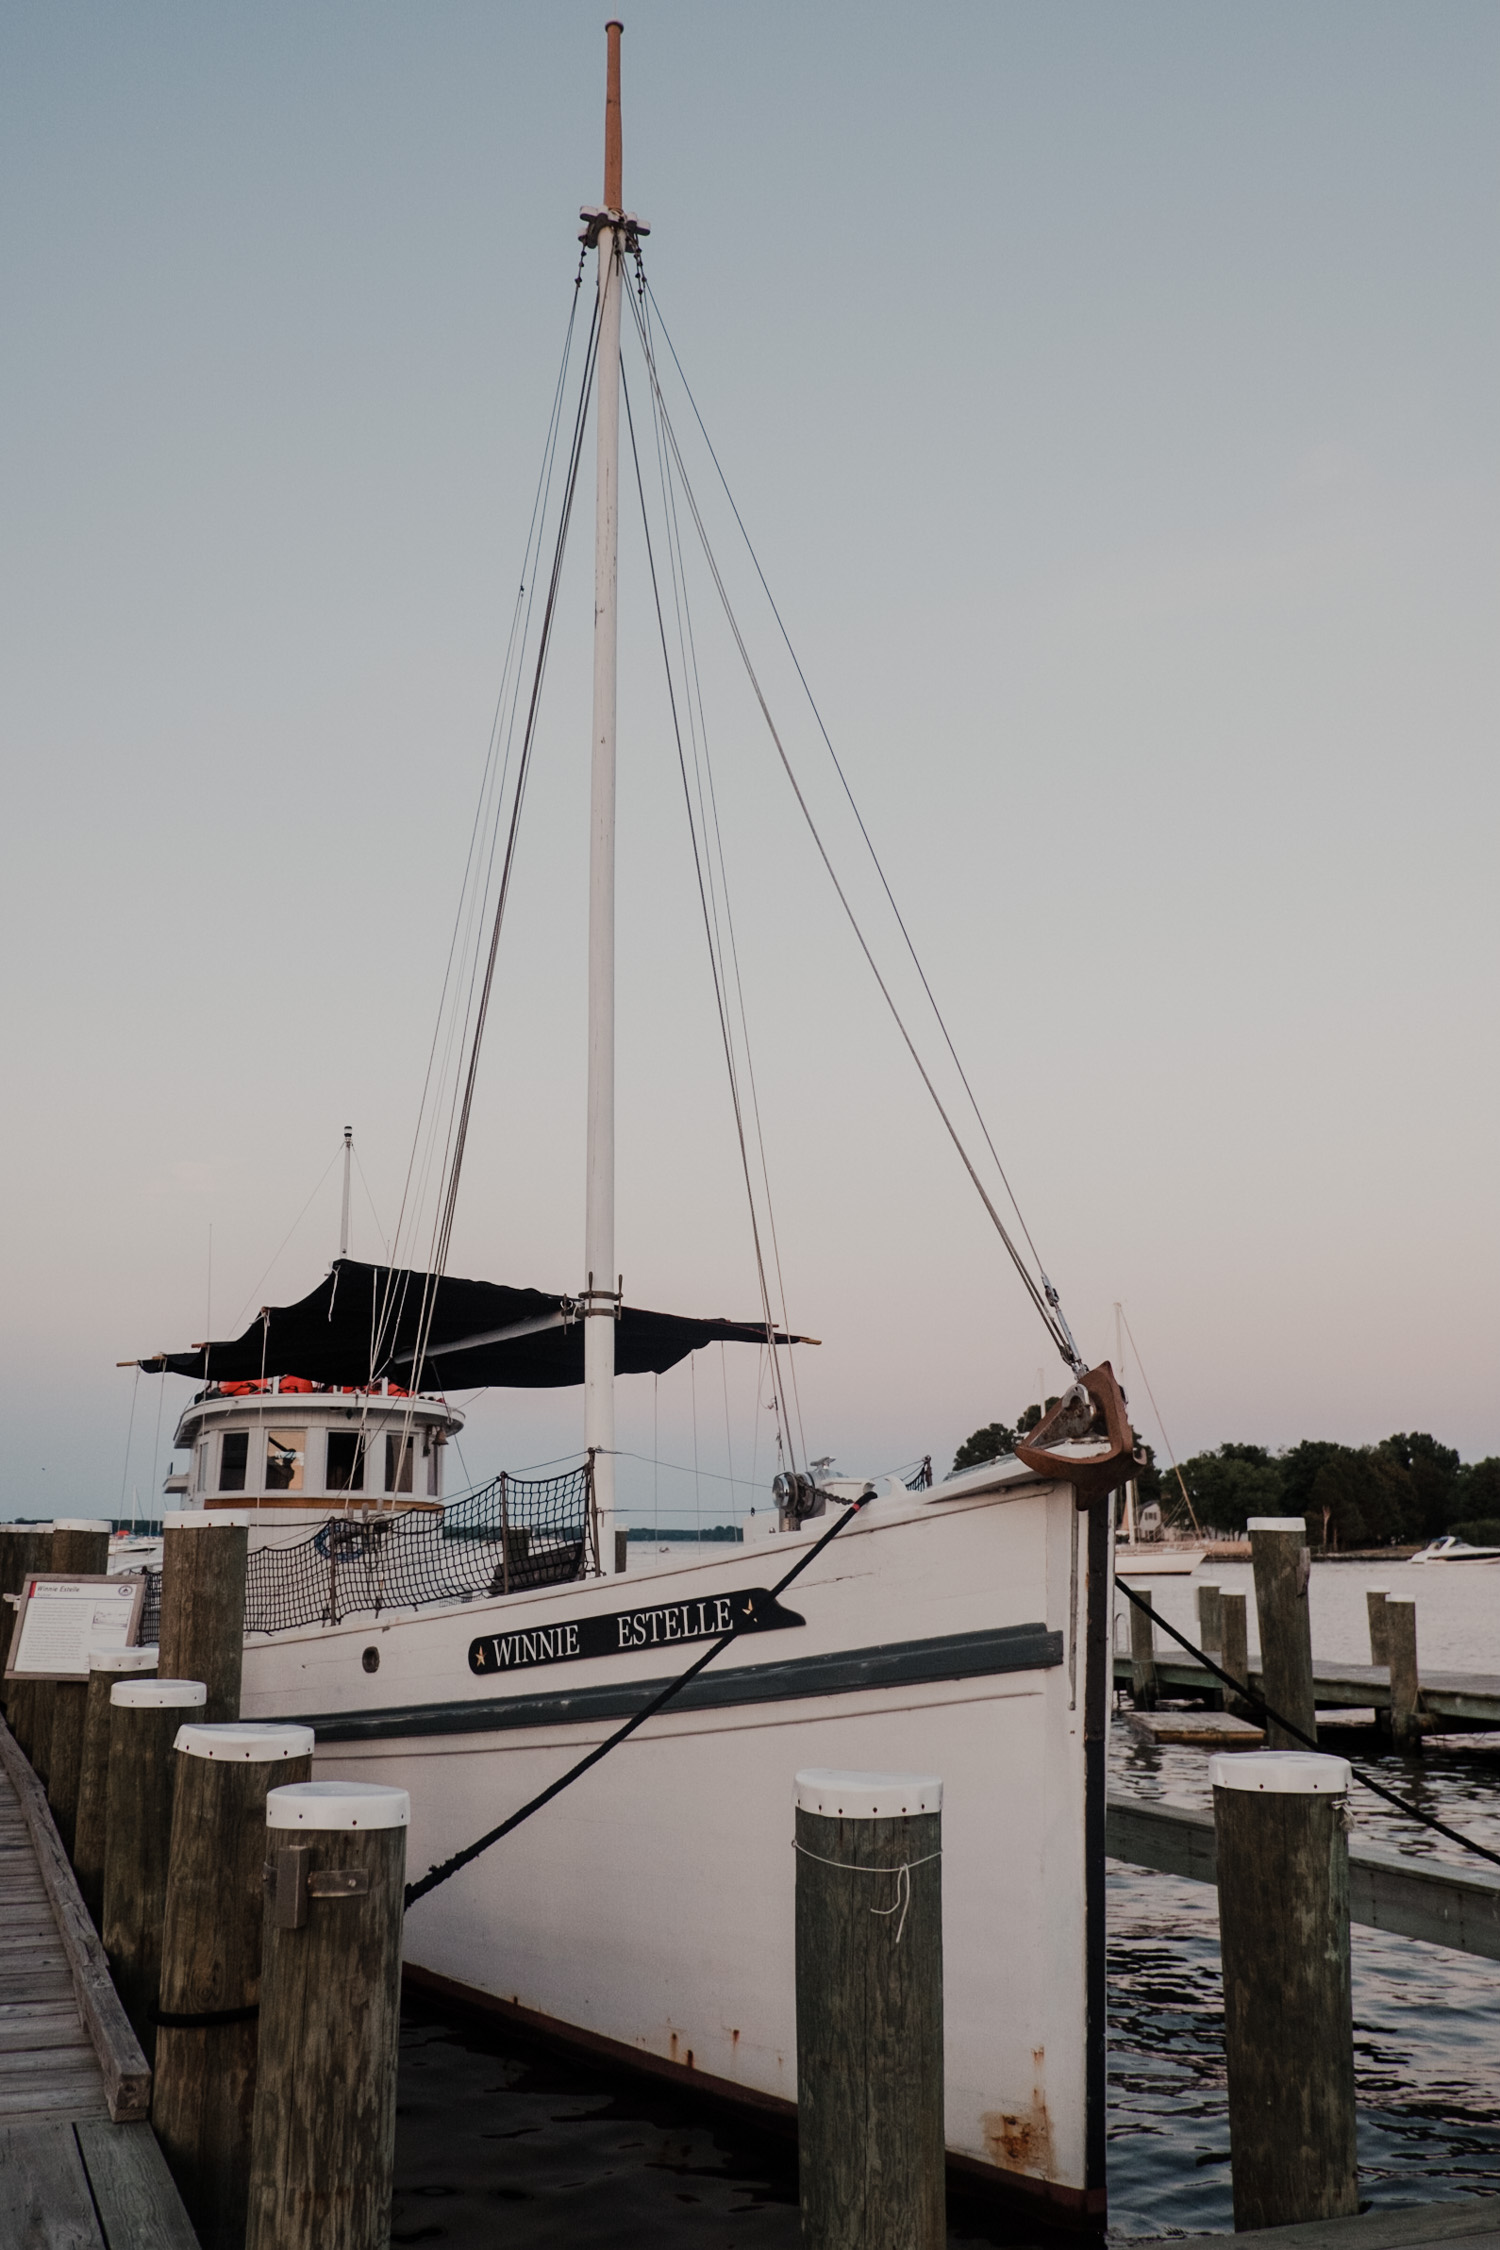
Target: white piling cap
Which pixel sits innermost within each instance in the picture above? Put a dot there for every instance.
(240, 1741)
(199, 1519)
(1278, 1523)
(79, 1523)
(867, 1796)
(124, 1659)
(1281, 1773)
(159, 1695)
(337, 1804)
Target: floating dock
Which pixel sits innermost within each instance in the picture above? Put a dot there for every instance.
(1458, 1907)
(1471, 1698)
(1473, 2219)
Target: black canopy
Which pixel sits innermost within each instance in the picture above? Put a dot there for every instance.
(362, 1324)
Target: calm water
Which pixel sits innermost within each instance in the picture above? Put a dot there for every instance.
(502, 2143)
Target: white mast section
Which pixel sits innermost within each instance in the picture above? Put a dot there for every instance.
(601, 1297)
(344, 1217)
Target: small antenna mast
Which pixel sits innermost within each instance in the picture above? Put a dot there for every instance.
(344, 1219)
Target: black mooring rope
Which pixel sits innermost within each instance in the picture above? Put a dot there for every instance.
(1243, 1688)
(440, 1874)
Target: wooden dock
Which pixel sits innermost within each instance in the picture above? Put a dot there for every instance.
(1472, 1698)
(1458, 1907)
(80, 2168)
(1471, 2219)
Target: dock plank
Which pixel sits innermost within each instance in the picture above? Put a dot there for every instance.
(38, 1963)
(28, 2024)
(45, 2202)
(136, 2196)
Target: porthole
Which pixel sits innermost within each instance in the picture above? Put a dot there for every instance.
(371, 1660)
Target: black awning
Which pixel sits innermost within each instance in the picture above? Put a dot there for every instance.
(363, 1323)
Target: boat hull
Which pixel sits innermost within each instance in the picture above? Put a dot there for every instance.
(648, 1909)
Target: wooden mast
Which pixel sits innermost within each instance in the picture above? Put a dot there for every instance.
(601, 1299)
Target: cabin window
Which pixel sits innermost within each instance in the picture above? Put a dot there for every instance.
(234, 1452)
(398, 1453)
(430, 1446)
(202, 1473)
(346, 1461)
(286, 1452)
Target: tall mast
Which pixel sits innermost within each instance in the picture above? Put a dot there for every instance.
(601, 1298)
(344, 1216)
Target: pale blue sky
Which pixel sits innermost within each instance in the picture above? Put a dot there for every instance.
(1111, 391)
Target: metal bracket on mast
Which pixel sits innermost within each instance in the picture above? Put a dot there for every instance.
(596, 1301)
(596, 220)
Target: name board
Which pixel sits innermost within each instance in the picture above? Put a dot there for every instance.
(708, 1617)
(62, 1619)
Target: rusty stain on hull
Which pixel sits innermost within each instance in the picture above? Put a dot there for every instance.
(1021, 2140)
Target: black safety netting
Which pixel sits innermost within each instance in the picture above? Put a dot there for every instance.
(509, 1535)
(149, 1632)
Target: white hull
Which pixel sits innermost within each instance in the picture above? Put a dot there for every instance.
(1157, 1562)
(651, 1904)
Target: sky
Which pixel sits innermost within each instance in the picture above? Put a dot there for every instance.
(1110, 396)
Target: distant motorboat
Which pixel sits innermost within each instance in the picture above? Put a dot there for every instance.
(1451, 1549)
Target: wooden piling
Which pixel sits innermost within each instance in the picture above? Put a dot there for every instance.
(79, 1544)
(26, 1550)
(1283, 1563)
(1211, 1636)
(69, 1700)
(204, 2092)
(105, 1667)
(1234, 1655)
(14, 1562)
(1283, 1879)
(324, 2131)
(1142, 1658)
(869, 1968)
(143, 1720)
(1375, 1600)
(1406, 1686)
(202, 1634)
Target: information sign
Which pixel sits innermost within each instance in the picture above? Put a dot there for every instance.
(63, 1618)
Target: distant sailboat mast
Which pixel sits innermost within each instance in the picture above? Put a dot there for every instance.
(601, 1297)
(344, 1215)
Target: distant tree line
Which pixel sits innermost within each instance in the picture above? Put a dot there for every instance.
(1408, 1488)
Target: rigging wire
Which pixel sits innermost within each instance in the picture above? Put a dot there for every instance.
(848, 792)
(1043, 1297)
(464, 916)
(161, 1392)
(477, 1002)
(1250, 1695)
(658, 1702)
(129, 1434)
(444, 1228)
(1161, 1425)
(380, 1233)
(291, 1230)
(709, 815)
(703, 899)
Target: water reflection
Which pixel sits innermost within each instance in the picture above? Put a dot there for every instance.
(1426, 2027)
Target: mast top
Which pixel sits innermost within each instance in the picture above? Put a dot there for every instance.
(613, 191)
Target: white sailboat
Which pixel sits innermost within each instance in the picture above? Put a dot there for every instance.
(475, 1652)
